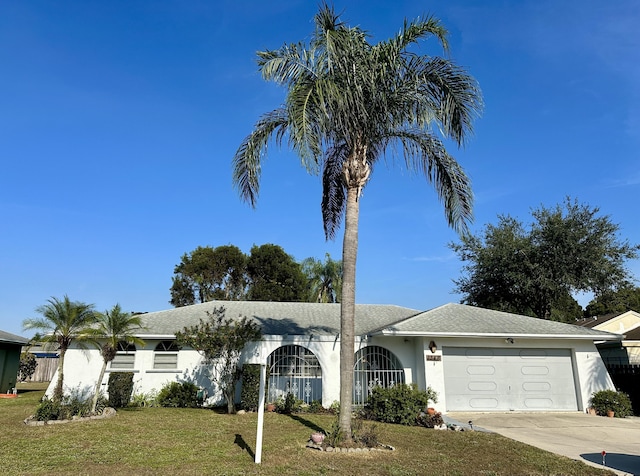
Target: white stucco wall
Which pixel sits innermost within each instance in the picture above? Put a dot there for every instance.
(420, 364)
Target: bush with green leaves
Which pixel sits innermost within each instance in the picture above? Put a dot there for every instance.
(250, 387)
(399, 404)
(289, 404)
(606, 400)
(27, 368)
(65, 409)
(140, 400)
(362, 434)
(316, 407)
(179, 395)
(429, 420)
(120, 389)
(48, 410)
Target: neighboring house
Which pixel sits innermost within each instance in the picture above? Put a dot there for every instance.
(10, 347)
(627, 325)
(475, 359)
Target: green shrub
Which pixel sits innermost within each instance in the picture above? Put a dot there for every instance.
(606, 400)
(289, 404)
(139, 400)
(179, 395)
(250, 387)
(47, 410)
(74, 405)
(399, 404)
(66, 409)
(334, 437)
(120, 389)
(27, 367)
(429, 421)
(316, 407)
(364, 434)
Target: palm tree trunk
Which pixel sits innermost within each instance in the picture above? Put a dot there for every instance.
(57, 392)
(348, 310)
(94, 402)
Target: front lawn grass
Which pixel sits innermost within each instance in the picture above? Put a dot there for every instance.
(197, 441)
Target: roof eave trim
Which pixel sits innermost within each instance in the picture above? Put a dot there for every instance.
(501, 335)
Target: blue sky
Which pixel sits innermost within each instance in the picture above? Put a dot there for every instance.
(119, 119)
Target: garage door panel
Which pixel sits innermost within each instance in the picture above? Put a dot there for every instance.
(508, 379)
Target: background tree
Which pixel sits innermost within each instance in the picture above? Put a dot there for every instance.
(348, 102)
(209, 273)
(618, 301)
(221, 342)
(324, 279)
(536, 271)
(27, 366)
(62, 322)
(273, 275)
(112, 328)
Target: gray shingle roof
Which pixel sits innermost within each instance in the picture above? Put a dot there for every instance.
(278, 318)
(12, 338)
(462, 320)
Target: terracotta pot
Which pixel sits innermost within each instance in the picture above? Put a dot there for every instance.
(610, 413)
(431, 410)
(592, 411)
(271, 407)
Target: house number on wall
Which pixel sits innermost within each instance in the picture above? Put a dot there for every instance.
(434, 357)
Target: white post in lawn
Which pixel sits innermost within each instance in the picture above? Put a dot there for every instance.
(263, 378)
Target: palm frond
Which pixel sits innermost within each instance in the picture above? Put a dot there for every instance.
(452, 94)
(247, 160)
(426, 154)
(334, 193)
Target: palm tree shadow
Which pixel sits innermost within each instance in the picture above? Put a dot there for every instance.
(307, 423)
(244, 446)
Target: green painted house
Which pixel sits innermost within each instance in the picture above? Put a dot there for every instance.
(10, 347)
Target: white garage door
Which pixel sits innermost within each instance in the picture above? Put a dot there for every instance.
(486, 379)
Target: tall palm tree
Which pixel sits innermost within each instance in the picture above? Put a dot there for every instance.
(325, 279)
(113, 327)
(348, 103)
(62, 322)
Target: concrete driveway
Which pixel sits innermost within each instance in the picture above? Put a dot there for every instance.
(576, 435)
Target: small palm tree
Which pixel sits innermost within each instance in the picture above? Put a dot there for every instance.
(62, 322)
(350, 103)
(324, 279)
(113, 327)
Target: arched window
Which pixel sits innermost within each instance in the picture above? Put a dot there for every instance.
(166, 355)
(125, 357)
(294, 369)
(374, 367)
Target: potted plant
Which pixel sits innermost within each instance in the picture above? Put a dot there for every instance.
(611, 403)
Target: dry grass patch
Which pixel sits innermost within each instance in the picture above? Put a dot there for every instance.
(196, 441)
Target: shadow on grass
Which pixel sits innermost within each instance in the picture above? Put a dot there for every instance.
(28, 390)
(307, 423)
(244, 446)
